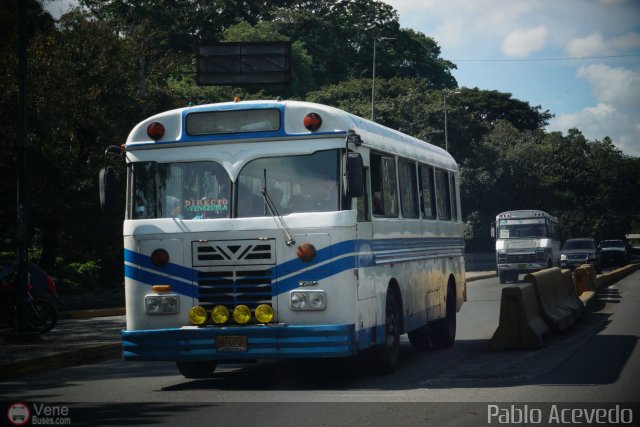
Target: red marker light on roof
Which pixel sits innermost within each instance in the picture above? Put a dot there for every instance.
(155, 130)
(312, 121)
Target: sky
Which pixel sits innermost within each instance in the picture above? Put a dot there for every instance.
(579, 59)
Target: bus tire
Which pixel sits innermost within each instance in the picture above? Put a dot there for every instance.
(195, 369)
(443, 332)
(387, 354)
(419, 338)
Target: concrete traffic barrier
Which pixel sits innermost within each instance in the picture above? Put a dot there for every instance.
(584, 284)
(521, 326)
(569, 294)
(613, 276)
(547, 283)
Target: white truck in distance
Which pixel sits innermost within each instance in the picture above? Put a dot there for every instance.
(526, 241)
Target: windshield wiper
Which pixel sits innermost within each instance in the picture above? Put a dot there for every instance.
(288, 238)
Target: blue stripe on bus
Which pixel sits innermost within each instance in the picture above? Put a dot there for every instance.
(359, 254)
(170, 269)
(319, 273)
(276, 341)
(156, 279)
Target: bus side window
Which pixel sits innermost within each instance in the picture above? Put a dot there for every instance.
(443, 200)
(427, 192)
(407, 177)
(454, 199)
(363, 201)
(376, 187)
(383, 185)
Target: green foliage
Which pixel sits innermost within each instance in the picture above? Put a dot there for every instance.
(339, 35)
(77, 276)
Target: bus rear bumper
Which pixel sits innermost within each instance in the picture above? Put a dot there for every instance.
(261, 342)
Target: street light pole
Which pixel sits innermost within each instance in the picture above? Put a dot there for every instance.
(373, 76)
(446, 134)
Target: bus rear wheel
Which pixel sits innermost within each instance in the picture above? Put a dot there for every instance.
(443, 332)
(197, 368)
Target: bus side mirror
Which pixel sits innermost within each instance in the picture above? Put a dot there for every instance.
(493, 230)
(355, 174)
(106, 184)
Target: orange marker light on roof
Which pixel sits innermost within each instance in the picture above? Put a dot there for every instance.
(155, 130)
(312, 121)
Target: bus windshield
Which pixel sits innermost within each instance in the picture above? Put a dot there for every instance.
(194, 190)
(294, 183)
(519, 228)
(203, 190)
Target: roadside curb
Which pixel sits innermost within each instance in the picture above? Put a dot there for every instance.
(65, 359)
(97, 312)
(481, 277)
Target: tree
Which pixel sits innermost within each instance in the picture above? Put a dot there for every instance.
(180, 26)
(69, 130)
(339, 36)
(37, 21)
(302, 80)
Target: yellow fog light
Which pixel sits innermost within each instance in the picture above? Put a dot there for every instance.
(242, 314)
(264, 313)
(198, 315)
(220, 314)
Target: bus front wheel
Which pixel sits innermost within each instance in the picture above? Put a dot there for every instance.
(197, 368)
(387, 354)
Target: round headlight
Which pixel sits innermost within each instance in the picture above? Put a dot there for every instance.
(316, 300)
(152, 304)
(170, 304)
(220, 314)
(198, 315)
(299, 300)
(242, 314)
(264, 313)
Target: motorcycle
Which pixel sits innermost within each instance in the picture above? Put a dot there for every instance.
(42, 314)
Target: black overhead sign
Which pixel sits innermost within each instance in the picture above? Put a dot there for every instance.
(244, 63)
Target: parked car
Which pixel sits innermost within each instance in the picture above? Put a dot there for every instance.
(613, 252)
(576, 252)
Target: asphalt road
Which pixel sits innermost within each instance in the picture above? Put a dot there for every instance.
(594, 365)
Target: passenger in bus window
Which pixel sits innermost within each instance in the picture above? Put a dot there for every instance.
(377, 204)
(276, 196)
(324, 196)
(174, 209)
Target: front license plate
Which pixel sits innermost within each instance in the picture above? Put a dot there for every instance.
(231, 343)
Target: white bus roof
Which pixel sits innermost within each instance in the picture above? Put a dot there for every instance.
(335, 124)
(528, 213)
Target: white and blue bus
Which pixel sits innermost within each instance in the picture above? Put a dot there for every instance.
(283, 229)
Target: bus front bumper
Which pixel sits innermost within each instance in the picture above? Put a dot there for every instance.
(522, 268)
(235, 342)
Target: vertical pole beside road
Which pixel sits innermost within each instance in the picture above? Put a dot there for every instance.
(23, 332)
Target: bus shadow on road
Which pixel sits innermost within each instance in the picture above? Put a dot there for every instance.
(577, 357)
